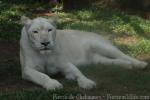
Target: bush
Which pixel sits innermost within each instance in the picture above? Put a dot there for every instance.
(135, 4)
(76, 4)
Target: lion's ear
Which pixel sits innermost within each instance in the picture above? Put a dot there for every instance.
(25, 20)
(53, 19)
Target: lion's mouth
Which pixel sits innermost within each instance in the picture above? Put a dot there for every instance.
(46, 48)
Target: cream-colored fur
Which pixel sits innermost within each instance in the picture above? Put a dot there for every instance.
(45, 50)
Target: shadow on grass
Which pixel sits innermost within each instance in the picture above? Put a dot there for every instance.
(10, 14)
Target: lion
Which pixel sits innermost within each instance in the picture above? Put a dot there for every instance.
(46, 50)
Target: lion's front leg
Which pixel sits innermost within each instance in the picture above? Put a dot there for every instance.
(40, 78)
(72, 72)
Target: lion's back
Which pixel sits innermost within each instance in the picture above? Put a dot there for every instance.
(75, 45)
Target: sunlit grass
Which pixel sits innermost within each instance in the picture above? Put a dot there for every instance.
(135, 48)
(109, 20)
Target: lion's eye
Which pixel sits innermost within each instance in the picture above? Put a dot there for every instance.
(49, 30)
(35, 31)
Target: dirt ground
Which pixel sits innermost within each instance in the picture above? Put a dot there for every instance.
(10, 73)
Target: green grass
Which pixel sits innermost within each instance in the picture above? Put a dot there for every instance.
(129, 33)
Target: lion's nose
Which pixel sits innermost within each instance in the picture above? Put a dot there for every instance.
(45, 43)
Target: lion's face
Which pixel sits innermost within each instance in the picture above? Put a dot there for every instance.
(41, 34)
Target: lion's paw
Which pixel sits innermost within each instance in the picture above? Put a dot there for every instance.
(53, 85)
(86, 83)
(140, 65)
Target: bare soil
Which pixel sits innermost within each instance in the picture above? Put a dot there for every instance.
(10, 70)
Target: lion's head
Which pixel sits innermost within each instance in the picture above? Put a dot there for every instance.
(41, 32)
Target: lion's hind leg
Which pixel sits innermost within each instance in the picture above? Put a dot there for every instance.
(136, 63)
(109, 61)
(109, 54)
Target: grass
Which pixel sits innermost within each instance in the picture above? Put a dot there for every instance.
(28, 95)
(129, 33)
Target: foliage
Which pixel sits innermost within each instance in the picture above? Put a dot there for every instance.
(134, 4)
(76, 4)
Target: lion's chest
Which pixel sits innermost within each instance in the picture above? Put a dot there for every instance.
(46, 64)
(52, 64)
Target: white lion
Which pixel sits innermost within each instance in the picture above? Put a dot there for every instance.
(44, 51)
